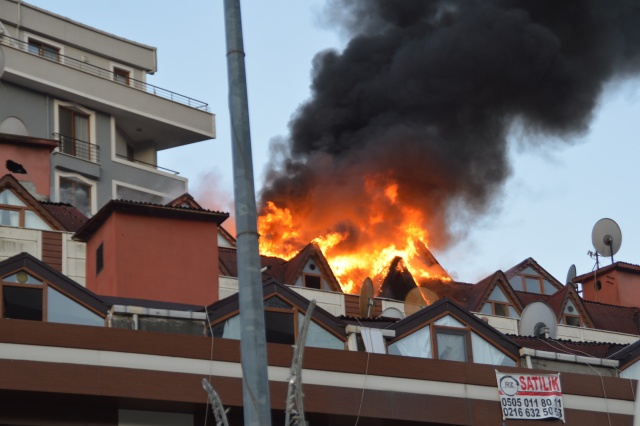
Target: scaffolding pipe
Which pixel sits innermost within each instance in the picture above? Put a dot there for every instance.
(253, 347)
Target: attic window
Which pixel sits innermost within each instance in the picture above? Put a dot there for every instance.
(14, 212)
(26, 297)
(571, 316)
(498, 304)
(312, 281)
(454, 341)
(531, 281)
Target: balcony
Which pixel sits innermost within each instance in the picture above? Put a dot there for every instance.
(78, 148)
(103, 73)
(143, 111)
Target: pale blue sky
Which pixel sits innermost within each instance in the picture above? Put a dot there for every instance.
(549, 205)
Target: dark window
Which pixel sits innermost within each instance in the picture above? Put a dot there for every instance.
(121, 76)
(22, 303)
(500, 308)
(279, 327)
(313, 281)
(572, 320)
(99, 258)
(73, 127)
(46, 51)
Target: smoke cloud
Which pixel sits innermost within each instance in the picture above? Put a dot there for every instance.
(425, 94)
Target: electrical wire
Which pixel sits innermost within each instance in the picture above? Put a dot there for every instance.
(206, 414)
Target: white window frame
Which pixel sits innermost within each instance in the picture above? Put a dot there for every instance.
(92, 184)
(92, 121)
(114, 65)
(26, 36)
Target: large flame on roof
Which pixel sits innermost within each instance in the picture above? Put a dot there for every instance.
(357, 241)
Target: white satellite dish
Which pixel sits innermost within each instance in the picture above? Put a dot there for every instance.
(538, 320)
(606, 237)
(366, 298)
(392, 312)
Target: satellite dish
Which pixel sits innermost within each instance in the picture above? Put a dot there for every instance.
(606, 237)
(538, 320)
(392, 312)
(418, 298)
(366, 298)
(571, 274)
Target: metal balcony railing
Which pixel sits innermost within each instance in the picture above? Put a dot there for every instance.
(104, 73)
(78, 148)
(155, 166)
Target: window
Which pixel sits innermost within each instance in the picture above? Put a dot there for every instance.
(121, 76)
(27, 297)
(77, 193)
(73, 127)
(99, 258)
(282, 324)
(312, 281)
(46, 51)
(14, 212)
(454, 341)
(498, 304)
(571, 316)
(531, 281)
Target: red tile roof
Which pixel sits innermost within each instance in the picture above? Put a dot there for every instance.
(69, 216)
(591, 349)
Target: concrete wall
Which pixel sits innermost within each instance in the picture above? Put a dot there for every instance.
(32, 108)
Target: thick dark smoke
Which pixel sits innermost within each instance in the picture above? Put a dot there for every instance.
(426, 93)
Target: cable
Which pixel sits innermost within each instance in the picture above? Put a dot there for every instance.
(206, 413)
(364, 384)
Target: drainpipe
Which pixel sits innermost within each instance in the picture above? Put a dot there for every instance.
(253, 347)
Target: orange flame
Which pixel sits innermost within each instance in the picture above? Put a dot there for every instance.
(378, 229)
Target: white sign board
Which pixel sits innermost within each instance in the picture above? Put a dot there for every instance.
(530, 396)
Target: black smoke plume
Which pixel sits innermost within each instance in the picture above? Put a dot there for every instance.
(425, 93)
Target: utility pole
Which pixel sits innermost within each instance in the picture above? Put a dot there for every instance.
(253, 346)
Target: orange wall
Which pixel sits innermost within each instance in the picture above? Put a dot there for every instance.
(617, 288)
(156, 258)
(34, 160)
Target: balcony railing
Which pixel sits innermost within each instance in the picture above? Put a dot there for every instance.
(105, 74)
(78, 148)
(155, 166)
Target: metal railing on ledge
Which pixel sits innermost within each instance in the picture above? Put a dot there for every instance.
(104, 73)
(78, 148)
(155, 166)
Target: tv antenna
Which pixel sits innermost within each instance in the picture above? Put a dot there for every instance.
(366, 298)
(606, 238)
(571, 275)
(538, 320)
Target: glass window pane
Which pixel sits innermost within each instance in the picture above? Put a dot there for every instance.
(22, 277)
(276, 302)
(279, 327)
(548, 287)
(573, 321)
(485, 353)
(533, 285)
(9, 198)
(452, 346)
(450, 321)
(530, 271)
(9, 218)
(229, 329)
(516, 283)
(63, 310)
(501, 309)
(416, 344)
(486, 309)
(32, 220)
(76, 193)
(22, 303)
(498, 295)
(318, 337)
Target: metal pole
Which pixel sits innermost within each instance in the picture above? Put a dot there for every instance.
(255, 384)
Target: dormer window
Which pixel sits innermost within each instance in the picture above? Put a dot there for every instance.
(498, 304)
(571, 316)
(531, 281)
(14, 212)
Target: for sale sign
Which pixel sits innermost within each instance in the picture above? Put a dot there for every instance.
(530, 396)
